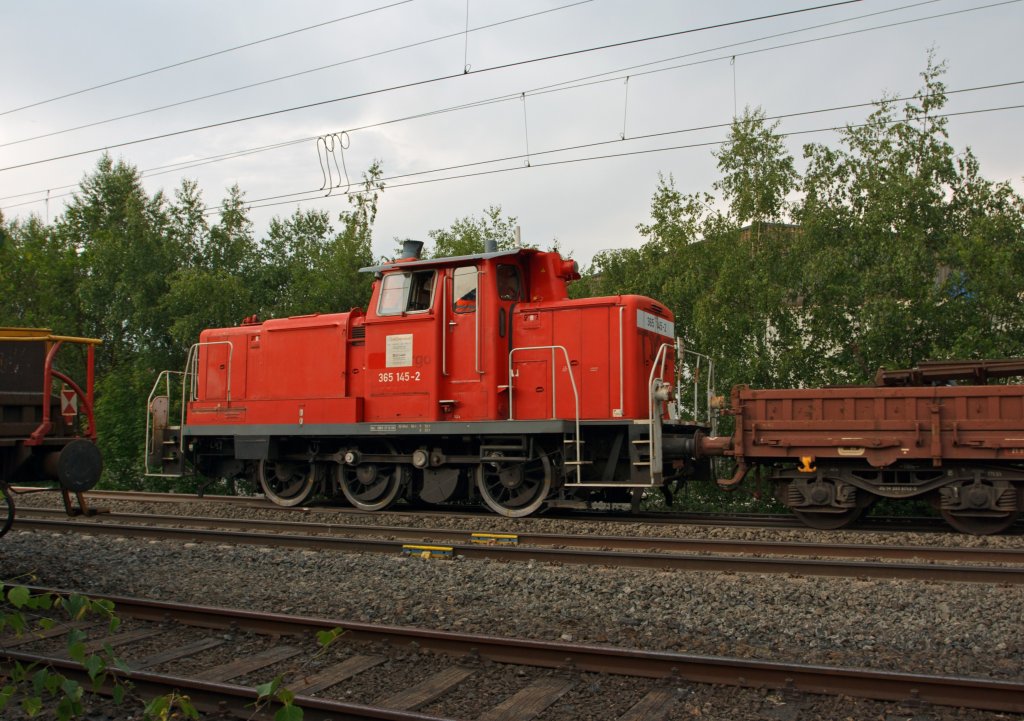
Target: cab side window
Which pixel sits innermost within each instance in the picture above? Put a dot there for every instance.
(406, 292)
(509, 282)
(464, 288)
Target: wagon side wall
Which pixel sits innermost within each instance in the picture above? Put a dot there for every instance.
(881, 425)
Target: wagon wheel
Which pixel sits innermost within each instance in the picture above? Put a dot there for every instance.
(515, 489)
(6, 510)
(983, 523)
(824, 521)
(980, 525)
(372, 486)
(287, 483)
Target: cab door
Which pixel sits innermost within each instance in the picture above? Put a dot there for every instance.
(463, 352)
(401, 342)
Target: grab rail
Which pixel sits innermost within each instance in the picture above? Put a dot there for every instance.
(164, 376)
(554, 396)
(86, 396)
(192, 367)
(702, 368)
(654, 406)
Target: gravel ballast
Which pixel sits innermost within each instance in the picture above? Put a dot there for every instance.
(937, 628)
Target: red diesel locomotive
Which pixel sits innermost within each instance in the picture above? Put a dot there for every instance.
(467, 378)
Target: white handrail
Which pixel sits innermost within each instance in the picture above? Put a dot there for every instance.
(554, 414)
(653, 403)
(165, 376)
(702, 411)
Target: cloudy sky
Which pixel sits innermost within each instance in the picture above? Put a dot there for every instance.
(540, 116)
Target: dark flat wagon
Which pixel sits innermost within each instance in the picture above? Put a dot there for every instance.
(940, 431)
(47, 426)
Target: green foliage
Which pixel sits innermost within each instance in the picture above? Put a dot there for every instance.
(36, 261)
(467, 236)
(327, 638)
(273, 691)
(120, 388)
(913, 255)
(124, 254)
(898, 250)
(757, 172)
(42, 688)
(170, 706)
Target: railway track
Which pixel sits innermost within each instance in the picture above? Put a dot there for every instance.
(546, 671)
(741, 520)
(642, 552)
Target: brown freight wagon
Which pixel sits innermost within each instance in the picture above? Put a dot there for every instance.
(832, 452)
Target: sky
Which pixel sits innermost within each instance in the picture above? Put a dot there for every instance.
(575, 133)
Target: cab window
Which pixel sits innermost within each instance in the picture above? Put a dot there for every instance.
(509, 282)
(464, 290)
(406, 292)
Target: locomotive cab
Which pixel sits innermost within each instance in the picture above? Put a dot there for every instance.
(439, 332)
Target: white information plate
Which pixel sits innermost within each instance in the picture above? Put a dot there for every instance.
(399, 350)
(653, 323)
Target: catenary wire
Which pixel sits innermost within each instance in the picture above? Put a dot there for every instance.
(289, 76)
(647, 136)
(607, 156)
(260, 202)
(428, 81)
(175, 167)
(204, 57)
(557, 87)
(582, 81)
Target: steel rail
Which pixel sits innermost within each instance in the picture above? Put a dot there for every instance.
(673, 561)
(745, 520)
(215, 697)
(618, 543)
(968, 692)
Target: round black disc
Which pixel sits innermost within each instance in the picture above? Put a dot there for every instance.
(79, 465)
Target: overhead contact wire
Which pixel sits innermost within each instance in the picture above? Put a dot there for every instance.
(581, 82)
(204, 57)
(290, 76)
(428, 81)
(259, 202)
(600, 78)
(714, 126)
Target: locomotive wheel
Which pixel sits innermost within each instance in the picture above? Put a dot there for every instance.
(979, 525)
(6, 510)
(516, 489)
(287, 483)
(371, 486)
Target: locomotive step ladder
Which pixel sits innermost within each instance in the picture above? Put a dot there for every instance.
(573, 449)
(165, 453)
(641, 452)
